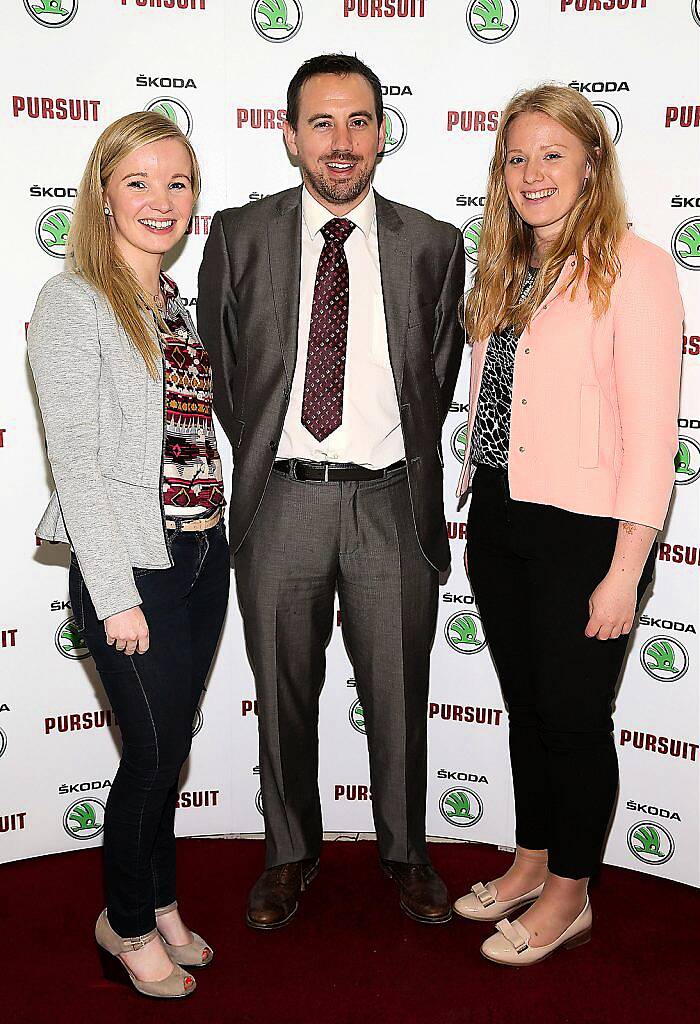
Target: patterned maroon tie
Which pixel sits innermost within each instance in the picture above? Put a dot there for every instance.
(322, 406)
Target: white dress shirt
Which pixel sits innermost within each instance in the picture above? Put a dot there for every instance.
(370, 432)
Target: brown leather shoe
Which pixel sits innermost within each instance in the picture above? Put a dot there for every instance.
(274, 899)
(424, 895)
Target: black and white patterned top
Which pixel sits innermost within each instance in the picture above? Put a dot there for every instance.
(492, 422)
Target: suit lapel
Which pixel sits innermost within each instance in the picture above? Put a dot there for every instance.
(284, 245)
(395, 269)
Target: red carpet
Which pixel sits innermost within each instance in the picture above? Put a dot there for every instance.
(350, 956)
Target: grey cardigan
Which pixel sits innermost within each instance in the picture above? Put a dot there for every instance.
(104, 420)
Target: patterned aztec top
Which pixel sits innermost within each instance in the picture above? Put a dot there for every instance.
(492, 421)
(192, 480)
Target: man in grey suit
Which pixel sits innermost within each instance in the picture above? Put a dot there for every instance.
(331, 318)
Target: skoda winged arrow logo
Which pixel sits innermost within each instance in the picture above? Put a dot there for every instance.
(461, 807)
(276, 20)
(492, 21)
(685, 244)
(52, 13)
(174, 110)
(464, 633)
(85, 819)
(51, 230)
(70, 642)
(687, 461)
(357, 717)
(471, 231)
(396, 130)
(650, 842)
(664, 659)
(459, 442)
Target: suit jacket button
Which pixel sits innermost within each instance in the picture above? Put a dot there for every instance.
(274, 445)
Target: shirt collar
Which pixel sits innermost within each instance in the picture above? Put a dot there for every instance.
(315, 215)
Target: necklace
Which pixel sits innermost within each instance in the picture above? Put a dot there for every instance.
(159, 301)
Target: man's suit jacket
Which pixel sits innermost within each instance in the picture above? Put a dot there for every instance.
(248, 315)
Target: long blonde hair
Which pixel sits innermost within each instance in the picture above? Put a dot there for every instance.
(91, 249)
(598, 219)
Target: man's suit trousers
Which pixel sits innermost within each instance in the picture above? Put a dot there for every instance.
(308, 540)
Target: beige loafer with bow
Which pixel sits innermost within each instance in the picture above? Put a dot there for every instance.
(196, 953)
(511, 943)
(482, 903)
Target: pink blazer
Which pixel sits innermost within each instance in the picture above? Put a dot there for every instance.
(594, 421)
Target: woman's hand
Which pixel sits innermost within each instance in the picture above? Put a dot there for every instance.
(128, 631)
(612, 606)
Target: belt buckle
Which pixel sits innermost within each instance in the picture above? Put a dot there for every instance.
(326, 470)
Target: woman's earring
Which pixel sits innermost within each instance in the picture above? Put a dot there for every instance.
(108, 212)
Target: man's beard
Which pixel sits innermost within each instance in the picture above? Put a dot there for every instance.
(340, 192)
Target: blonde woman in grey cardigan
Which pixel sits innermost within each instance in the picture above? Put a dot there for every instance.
(124, 386)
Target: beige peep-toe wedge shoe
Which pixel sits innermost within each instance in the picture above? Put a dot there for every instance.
(196, 953)
(178, 983)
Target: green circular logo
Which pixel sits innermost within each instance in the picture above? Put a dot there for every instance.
(461, 807)
(665, 659)
(465, 633)
(687, 461)
(458, 442)
(51, 13)
(650, 842)
(685, 244)
(51, 230)
(174, 110)
(396, 129)
(70, 642)
(277, 21)
(357, 717)
(492, 21)
(85, 819)
(612, 118)
(471, 232)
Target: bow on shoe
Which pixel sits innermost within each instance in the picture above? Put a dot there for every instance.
(515, 933)
(482, 893)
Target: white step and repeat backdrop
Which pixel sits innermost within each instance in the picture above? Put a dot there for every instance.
(221, 69)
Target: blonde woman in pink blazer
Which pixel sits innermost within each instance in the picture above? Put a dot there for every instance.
(576, 325)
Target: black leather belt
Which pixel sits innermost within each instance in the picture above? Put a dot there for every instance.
(300, 469)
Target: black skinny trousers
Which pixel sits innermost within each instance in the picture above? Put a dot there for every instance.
(155, 696)
(533, 569)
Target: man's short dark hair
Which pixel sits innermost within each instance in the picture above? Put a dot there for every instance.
(331, 64)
